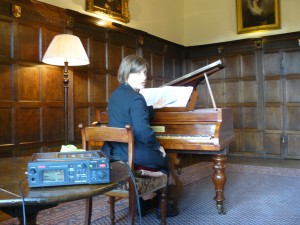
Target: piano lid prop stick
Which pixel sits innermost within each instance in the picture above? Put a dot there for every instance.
(210, 92)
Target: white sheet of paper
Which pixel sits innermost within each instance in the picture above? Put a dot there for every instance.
(174, 96)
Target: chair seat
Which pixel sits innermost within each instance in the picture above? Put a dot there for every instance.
(145, 185)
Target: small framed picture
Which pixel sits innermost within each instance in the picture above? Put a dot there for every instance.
(115, 9)
(255, 15)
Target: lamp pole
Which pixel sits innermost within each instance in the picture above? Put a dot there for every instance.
(66, 100)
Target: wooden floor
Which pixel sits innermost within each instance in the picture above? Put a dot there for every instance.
(186, 160)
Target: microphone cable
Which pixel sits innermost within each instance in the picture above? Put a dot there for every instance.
(23, 200)
(135, 188)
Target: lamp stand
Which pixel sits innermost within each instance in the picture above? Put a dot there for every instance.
(66, 113)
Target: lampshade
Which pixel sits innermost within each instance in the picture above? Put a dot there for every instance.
(66, 48)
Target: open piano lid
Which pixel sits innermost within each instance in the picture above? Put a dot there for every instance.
(195, 77)
(192, 79)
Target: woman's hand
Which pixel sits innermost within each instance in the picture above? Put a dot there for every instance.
(159, 104)
(162, 150)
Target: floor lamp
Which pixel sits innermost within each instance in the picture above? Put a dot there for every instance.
(66, 50)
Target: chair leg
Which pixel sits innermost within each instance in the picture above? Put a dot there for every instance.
(163, 207)
(132, 206)
(88, 210)
(112, 200)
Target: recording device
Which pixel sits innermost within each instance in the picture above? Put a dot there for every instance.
(68, 168)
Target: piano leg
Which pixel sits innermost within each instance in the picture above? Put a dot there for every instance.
(174, 190)
(219, 179)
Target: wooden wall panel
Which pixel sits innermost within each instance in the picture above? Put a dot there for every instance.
(273, 90)
(6, 84)
(249, 142)
(53, 86)
(272, 143)
(29, 124)
(53, 123)
(98, 88)
(177, 67)
(129, 50)
(98, 58)
(293, 90)
(249, 91)
(293, 114)
(157, 66)
(291, 62)
(168, 69)
(273, 118)
(28, 83)
(232, 92)
(81, 115)
(249, 117)
(5, 38)
(29, 35)
(237, 115)
(233, 67)
(81, 87)
(271, 64)
(248, 65)
(115, 58)
(6, 128)
(218, 94)
(293, 145)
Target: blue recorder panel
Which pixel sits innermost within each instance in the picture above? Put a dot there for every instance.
(57, 169)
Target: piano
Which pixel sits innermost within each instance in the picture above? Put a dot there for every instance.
(195, 131)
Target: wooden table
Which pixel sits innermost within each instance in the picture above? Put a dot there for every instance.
(36, 199)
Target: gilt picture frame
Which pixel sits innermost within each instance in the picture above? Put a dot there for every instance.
(257, 15)
(114, 9)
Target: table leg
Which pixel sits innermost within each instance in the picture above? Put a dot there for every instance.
(88, 210)
(219, 179)
(30, 219)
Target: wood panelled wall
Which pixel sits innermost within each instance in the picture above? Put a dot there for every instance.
(262, 86)
(261, 82)
(32, 94)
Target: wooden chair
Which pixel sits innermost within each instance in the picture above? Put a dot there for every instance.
(96, 136)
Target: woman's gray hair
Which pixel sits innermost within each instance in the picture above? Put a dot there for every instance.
(131, 64)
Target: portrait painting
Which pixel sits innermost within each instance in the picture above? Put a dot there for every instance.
(115, 9)
(255, 15)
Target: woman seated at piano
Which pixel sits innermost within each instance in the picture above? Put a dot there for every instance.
(127, 106)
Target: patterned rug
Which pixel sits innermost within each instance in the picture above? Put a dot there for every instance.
(248, 191)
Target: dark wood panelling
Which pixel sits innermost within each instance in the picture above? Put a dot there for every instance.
(5, 38)
(98, 55)
(6, 128)
(30, 51)
(6, 85)
(260, 83)
(29, 124)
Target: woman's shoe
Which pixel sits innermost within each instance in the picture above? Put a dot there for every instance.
(171, 211)
(146, 206)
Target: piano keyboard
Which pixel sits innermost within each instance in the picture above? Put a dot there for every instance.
(180, 136)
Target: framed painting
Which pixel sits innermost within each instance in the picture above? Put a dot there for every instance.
(255, 15)
(115, 9)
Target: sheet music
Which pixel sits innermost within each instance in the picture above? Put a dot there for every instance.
(174, 96)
